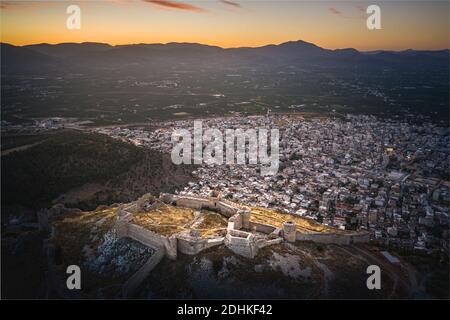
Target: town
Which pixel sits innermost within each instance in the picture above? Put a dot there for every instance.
(213, 152)
(356, 172)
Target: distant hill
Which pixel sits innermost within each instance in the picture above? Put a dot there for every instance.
(14, 58)
(136, 82)
(33, 177)
(68, 50)
(99, 55)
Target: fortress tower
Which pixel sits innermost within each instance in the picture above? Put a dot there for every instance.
(289, 231)
(216, 194)
(214, 198)
(245, 217)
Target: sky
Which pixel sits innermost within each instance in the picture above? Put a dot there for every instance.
(231, 23)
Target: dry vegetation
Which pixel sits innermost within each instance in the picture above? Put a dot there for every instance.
(79, 235)
(168, 220)
(77, 230)
(213, 224)
(165, 219)
(277, 219)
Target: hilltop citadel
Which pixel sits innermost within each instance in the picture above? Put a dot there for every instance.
(243, 230)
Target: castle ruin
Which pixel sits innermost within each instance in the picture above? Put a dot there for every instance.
(243, 236)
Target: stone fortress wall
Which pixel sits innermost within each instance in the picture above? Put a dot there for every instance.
(342, 239)
(243, 236)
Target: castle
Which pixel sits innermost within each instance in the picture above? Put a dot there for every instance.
(243, 237)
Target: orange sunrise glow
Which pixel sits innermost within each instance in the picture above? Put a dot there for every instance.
(330, 24)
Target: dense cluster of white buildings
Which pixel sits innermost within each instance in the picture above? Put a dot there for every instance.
(357, 172)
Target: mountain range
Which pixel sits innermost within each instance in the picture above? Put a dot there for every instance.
(100, 55)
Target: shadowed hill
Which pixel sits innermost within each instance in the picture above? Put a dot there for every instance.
(33, 177)
(64, 56)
